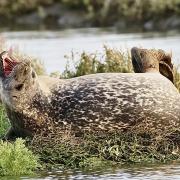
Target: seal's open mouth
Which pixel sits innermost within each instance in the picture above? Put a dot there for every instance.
(7, 63)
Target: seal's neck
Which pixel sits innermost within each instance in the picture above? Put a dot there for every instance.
(33, 118)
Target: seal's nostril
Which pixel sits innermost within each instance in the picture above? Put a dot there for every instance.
(25, 71)
(141, 54)
(19, 87)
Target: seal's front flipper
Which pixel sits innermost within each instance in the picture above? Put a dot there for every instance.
(166, 67)
(10, 135)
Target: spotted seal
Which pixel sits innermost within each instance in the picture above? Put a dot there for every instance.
(96, 102)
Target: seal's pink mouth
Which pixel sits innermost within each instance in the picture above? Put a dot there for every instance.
(8, 63)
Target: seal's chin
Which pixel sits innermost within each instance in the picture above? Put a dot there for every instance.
(7, 63)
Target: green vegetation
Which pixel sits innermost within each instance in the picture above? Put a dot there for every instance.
(106, 12)
(113, 60)
(130, 8)
(99, 13)
(16, 159)
(4, 124)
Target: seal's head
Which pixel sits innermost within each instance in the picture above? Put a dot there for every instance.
(18, 81)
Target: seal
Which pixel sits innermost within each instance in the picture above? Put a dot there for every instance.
(96, 102)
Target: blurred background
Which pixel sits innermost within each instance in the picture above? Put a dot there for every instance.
(52, 29)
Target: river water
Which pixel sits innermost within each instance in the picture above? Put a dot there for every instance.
(51, 47)
(134, 173)
(153, 172)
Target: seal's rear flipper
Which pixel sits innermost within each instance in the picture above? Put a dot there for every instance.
(144, 60)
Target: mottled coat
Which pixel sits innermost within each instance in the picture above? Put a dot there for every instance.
(98, 102)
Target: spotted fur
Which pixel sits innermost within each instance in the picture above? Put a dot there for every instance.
(98, 102)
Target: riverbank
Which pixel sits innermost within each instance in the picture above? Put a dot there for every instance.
(124, 16)
(66, 150)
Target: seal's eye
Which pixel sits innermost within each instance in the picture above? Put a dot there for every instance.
(19, 87)
(141, 54)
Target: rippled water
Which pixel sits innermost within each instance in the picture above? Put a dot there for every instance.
(51, 48)
(145, 173)
(155, 172)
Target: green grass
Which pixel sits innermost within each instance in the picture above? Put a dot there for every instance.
(4, 123)
(16, 159)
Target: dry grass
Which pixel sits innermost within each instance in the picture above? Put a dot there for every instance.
(113, 60)
(177, 77)
(93, 150)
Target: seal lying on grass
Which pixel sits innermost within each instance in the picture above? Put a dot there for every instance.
(97, 102)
